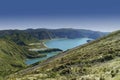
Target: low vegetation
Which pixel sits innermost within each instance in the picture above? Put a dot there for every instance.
(15, 45)
(13, 53)
(96, 60)
(49, 50)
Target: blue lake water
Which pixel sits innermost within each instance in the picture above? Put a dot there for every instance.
(31, 61)
(63, 44)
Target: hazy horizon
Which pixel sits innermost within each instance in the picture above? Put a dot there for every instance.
(55, 29)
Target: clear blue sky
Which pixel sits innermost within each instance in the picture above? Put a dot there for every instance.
(100, 15)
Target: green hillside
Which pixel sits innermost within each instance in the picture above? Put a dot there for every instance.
(97, 60)
(12, 57)
(17, 36)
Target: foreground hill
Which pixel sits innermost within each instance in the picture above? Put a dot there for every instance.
(97, 60)
(12, 57)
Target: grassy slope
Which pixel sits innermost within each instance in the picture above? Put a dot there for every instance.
(11, 57)
(96, 60)
(19, 37)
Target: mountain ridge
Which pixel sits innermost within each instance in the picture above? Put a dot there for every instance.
(55, 33)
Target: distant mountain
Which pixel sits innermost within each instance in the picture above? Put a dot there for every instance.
(32, 35)
(64, 33)
(96, 60)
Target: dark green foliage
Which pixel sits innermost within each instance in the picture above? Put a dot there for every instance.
(73, 79)
(114, 72)
(49, 50)
(102, 78)
(52, 75)
(65, 71)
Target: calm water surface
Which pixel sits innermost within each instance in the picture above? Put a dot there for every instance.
(63, 44)
(31, 61)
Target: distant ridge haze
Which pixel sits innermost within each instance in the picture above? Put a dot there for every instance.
(104, 24)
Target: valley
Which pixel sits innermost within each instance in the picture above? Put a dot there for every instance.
(59, 39)
(96, 60)
(25, 49)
